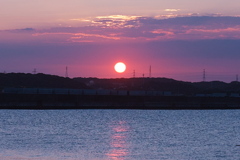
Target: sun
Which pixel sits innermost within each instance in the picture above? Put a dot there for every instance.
(120, 67)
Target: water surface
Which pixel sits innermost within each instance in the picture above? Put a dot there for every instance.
(119, 135)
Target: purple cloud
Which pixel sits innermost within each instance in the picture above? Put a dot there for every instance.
(130, 28)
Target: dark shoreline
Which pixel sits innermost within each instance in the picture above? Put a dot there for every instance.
(54, 101)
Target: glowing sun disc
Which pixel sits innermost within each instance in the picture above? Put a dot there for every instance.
(120, 67)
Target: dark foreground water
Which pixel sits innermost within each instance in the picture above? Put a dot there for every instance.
(119, 135)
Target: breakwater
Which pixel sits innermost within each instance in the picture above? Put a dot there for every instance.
(69, 101)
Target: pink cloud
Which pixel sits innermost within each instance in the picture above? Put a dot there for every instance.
(120, 28)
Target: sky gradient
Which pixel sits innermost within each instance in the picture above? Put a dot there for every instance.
(178, 38)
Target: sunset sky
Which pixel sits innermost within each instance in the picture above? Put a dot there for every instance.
(178, 38)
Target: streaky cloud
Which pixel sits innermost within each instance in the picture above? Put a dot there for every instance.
(172, 10)
(21, 30)
(115, 28)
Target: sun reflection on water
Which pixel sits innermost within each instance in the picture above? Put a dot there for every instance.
(119, 141)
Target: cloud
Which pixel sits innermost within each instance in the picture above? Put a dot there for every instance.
(192, 21)
(115, 21)
(68, 37)
(80, 19)
(27, 29)
(125, 28)
(172, 10)
(21, 30)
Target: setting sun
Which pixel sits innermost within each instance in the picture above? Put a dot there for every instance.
(120, 67)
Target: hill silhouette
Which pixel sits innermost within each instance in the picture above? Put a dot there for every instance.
(161, 84)
(22, 80)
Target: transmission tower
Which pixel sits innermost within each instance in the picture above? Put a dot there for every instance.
(150, 71)
(204, 75)
(66, 73)
(34, 71)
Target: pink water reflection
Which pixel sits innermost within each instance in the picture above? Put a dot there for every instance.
(119, 141)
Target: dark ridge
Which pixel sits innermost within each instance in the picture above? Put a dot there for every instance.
(162, 84)
(22, 80)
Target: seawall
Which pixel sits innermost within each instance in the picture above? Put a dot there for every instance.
(58, 101)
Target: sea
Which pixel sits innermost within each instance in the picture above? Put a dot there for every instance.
(119, 134)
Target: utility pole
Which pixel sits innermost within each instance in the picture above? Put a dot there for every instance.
(133, 73)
